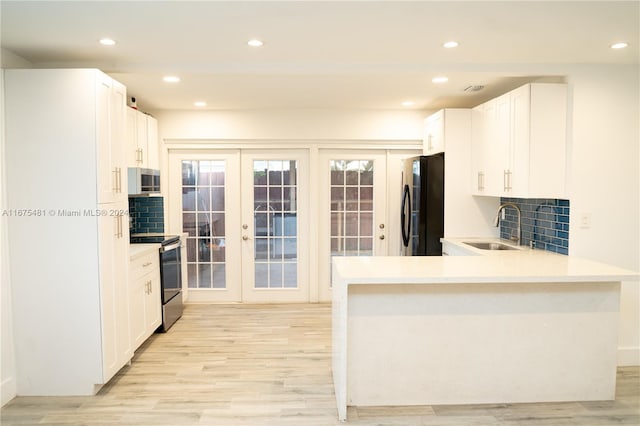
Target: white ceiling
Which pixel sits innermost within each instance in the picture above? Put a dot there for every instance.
(327, 54)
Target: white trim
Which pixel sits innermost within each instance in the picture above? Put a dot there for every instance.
(200, 144)
(628, 356)
(7, 390)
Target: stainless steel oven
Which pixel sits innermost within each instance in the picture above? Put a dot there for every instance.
(170, 275)
(171, 281)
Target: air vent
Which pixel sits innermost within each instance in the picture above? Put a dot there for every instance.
(473, 88)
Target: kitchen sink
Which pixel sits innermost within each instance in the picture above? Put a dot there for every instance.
(489, 246)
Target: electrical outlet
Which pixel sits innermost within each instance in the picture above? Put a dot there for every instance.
(585, 220)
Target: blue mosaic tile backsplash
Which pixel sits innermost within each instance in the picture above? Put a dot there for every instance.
(544, 221)
(146, 215)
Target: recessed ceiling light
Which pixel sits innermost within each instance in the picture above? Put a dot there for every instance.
(200, 104)
(619, 45)
(171, 79)
(450, 44)
(408, 103)
(255, 43)
(439, 79)
(107, 42)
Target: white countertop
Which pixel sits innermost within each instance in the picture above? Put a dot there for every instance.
(137, 250)
(508, 266)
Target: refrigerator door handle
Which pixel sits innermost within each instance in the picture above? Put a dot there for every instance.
(405, 216)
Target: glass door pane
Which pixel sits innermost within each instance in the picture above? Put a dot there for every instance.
(275, 218)
(351, 207)
(203, 219)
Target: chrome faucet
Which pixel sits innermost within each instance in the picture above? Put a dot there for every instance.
(496, 221)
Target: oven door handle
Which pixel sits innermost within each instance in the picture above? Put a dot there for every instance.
(170, 247)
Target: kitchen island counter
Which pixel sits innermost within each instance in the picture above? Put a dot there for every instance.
(526, 326)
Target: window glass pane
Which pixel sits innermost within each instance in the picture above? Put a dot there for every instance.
(366, 172)
(189, 170)
(204, 276)
(188, 199)
(259, 172)
(366, 198)
(351, 196)
(366, 224)
(275, 275)
(261, 275)
(217, 199)
(290, 275)
(219, 276)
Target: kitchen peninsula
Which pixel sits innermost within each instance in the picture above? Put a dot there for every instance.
(521, 326)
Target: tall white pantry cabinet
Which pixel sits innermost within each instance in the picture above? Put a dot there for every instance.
(68, 228)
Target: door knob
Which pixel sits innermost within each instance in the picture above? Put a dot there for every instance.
(245, 226)
(381, 226)
(381, 237)
(245, 237)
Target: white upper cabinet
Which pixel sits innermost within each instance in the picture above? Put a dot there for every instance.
(142, 140)
(110, 98)
(519, 143)
(433, 140)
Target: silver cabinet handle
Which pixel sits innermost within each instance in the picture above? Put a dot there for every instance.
(429, 143)
(480, 181)
(119, 180)
(505, 186)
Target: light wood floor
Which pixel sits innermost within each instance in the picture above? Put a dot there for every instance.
(271, 365)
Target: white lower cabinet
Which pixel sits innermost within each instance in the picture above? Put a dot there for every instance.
(145, 310)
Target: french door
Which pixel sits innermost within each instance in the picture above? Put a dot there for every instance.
(245, 214)
(353, 205)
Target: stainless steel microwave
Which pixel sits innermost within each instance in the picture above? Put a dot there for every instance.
(143, 181)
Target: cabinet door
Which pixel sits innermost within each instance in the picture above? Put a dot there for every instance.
(153, 153)
(118, 131)
(133, 154)
(114, 294)
(478, 166)
(433, 141)
(107, 228)
(153, 304)
(518, 175)
(142, 133)
(137, 325)
(501, 146)
(106, 179)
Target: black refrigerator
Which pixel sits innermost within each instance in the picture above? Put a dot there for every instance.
(422, 214)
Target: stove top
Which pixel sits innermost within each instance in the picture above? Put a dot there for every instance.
(150, 238)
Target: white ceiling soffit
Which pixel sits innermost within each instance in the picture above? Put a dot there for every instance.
(328, 54)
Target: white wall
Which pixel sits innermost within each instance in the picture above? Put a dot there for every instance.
(287, 125)
(605, 181)
(7, 360)
(8, 383)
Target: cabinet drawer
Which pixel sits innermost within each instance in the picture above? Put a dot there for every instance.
(143, 265)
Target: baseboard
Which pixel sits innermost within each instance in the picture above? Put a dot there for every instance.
(7, 390)
(628, 356)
